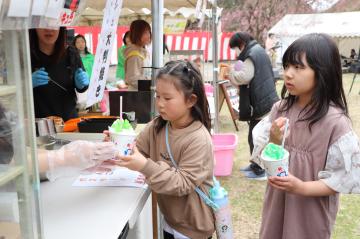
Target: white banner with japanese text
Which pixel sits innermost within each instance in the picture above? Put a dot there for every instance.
(103, 52)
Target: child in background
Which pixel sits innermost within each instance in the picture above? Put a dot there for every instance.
(86, 57)
(182, 104)
(324, 149)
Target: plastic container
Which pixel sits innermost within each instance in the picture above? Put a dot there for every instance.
(224, 147)
(209, 89)
(95, 125)
(223, 221)
(98, 125)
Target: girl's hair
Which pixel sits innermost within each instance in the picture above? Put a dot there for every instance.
(59, 49)
(125, 36)
(187, 78)
(239, 39)
(322, 56)
(137, 29)
(77, 37)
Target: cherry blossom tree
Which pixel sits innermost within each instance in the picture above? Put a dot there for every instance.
(258, 16)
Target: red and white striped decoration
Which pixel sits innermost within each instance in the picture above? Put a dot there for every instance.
(185, 41)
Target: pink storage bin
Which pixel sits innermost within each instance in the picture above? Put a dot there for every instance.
(209, 89)
(224, 148)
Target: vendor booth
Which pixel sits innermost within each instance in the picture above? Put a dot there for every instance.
(61, 209)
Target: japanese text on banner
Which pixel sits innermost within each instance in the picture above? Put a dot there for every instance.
(103, 51)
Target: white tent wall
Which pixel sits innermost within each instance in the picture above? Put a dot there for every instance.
(345, 44)
(343, 27)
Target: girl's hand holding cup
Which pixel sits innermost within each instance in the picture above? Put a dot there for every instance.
(107, 135)
(289, 184)
(135, 161)
(277, 130)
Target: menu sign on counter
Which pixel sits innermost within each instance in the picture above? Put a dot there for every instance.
(103, 52)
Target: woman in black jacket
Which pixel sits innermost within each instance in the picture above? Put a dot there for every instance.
(57, 73)
(255, 79)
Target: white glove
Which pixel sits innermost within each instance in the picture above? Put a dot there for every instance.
(70, 159)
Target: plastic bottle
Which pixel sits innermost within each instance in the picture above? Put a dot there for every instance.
(223, 221)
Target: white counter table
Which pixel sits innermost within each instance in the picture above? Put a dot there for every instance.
(89, 212)
(92, 212)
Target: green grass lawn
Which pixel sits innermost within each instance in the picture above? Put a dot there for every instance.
(246, 196)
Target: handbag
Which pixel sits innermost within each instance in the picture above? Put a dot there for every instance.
(246, 110)
(223, 223)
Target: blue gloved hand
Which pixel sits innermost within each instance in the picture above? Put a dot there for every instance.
(81, 79)
(40, 77)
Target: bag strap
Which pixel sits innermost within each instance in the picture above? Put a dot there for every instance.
(202, 195)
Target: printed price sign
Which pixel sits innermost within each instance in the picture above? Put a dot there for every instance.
(67, 14)
(19, 8)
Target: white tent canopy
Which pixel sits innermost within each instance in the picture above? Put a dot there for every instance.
(93, 12)
(136, 5)
(342, 26)
(93, 15)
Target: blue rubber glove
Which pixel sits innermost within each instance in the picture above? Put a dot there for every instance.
(81, 79)
(40, 77)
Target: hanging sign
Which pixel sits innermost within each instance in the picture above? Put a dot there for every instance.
(103, 51)
(67, 14)
(19, 8)
(39, 7)
(54, 8)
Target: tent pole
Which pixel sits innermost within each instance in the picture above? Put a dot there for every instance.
(215, 63)
(157, 9)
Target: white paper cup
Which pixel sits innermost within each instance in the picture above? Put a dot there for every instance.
(276, 167)
(123, 142)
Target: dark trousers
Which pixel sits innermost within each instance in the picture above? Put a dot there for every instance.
(170, 236)
(254, 166)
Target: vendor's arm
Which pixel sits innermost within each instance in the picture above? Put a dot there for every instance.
(70, 159)
(42, 161)
(244, 76)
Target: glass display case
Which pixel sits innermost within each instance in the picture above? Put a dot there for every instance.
(19, 180)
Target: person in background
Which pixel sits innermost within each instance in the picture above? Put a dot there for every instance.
(57, 73)
(184, 113)
(353, 54)
(324, 149)
(86, 57)
(120, 70)
(136, 53)
(165, 46)
(270, 47)
(256, 74)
